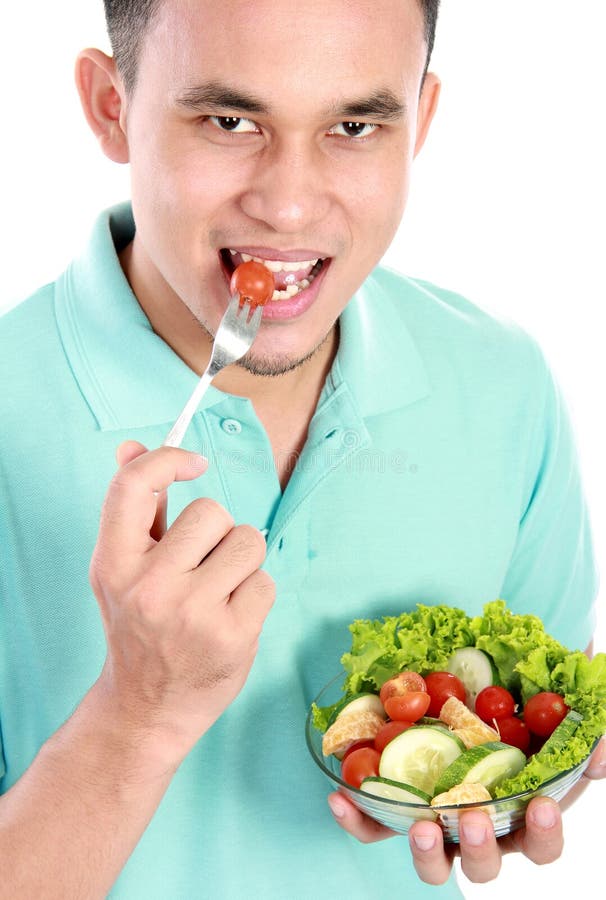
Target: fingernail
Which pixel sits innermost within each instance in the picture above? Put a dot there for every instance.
(543, 815)
(337, 807)
(424, 842)
(197, 461)
(474, 835)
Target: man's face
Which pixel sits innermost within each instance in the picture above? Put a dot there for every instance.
(243, 136)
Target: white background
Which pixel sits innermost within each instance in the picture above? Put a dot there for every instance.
(507, 207)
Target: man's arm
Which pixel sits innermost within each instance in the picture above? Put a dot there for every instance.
(181, 637)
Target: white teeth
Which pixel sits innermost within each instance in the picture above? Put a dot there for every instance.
(278, 265)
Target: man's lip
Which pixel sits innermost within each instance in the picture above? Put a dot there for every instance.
(296, 255)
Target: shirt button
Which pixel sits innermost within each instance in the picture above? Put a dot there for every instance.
(231, 426)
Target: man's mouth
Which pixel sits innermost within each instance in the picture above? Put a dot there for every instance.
(290, 276)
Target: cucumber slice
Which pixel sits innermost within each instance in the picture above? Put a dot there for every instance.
(418, 756)
(394, 790)
(358, 703)
(475, 669)
(486, 764)
(558, 739)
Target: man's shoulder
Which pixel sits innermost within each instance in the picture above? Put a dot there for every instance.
(29, 341)
(28, 319)
(445, 323)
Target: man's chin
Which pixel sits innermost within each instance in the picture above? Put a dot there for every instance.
(271, 366)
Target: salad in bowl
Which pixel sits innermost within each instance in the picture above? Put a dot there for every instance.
(437, 712)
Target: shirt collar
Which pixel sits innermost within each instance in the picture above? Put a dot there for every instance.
(130, 377)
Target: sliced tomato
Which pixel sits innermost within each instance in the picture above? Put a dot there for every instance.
(362, 763)
(494, 702)
(544, 712)
(402, 684)
(388, 732)
(441, 686)
(514, 732)
(407, 707)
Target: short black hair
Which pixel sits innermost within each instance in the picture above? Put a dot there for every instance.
(128, 20)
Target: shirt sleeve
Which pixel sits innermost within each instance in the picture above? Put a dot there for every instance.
(552, 572)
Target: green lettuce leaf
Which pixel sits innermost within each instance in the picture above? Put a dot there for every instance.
(509, 638)
(422, 640)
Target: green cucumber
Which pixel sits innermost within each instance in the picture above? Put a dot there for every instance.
(486, 764)
(419, 755)
(475, 669)
(358, 703)
(558, 739)
(394, 790)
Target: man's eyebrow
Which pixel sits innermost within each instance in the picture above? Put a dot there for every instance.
(382, 105)
(214, 95)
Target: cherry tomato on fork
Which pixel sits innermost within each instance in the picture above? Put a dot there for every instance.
(253, 281)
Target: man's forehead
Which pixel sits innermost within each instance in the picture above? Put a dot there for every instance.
(336, 52)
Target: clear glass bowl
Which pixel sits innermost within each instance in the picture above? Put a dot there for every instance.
(506, 814)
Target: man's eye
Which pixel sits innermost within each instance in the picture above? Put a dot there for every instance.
(354, 129)
(234, 124)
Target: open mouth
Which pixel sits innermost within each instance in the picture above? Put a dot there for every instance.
(290, 277)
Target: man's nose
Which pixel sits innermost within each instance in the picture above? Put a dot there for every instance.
(289, 189)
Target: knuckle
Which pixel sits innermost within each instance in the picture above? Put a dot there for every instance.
(264, 585)
(247, 545)
(205, 508)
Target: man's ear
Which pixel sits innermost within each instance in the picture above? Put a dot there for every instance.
(428, 103)
(103, 100)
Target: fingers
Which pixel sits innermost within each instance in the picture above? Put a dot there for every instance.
(480, 854)
(352, 820)
(125, 453)
(131, 505)
(199, 528)
(542, 840)
(597, 765)
(240, 553)
(129, 450)
(252, 600)
(432, 863)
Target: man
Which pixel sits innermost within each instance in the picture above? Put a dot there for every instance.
(144, 755)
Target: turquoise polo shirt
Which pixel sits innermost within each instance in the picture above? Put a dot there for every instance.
(439, 468)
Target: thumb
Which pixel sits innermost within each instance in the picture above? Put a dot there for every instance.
(128, 451)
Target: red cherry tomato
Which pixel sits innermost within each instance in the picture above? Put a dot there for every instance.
(360, 764)
(253, 281)
(494, 703)
(441, 686)
(357, 745)
(514, 732)
(388, 732)
(401, 684)
(407, 707)
(544, 712)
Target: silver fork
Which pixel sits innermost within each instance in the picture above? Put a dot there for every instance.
(237, 330)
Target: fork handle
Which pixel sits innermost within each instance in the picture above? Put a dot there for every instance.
(177, 432)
